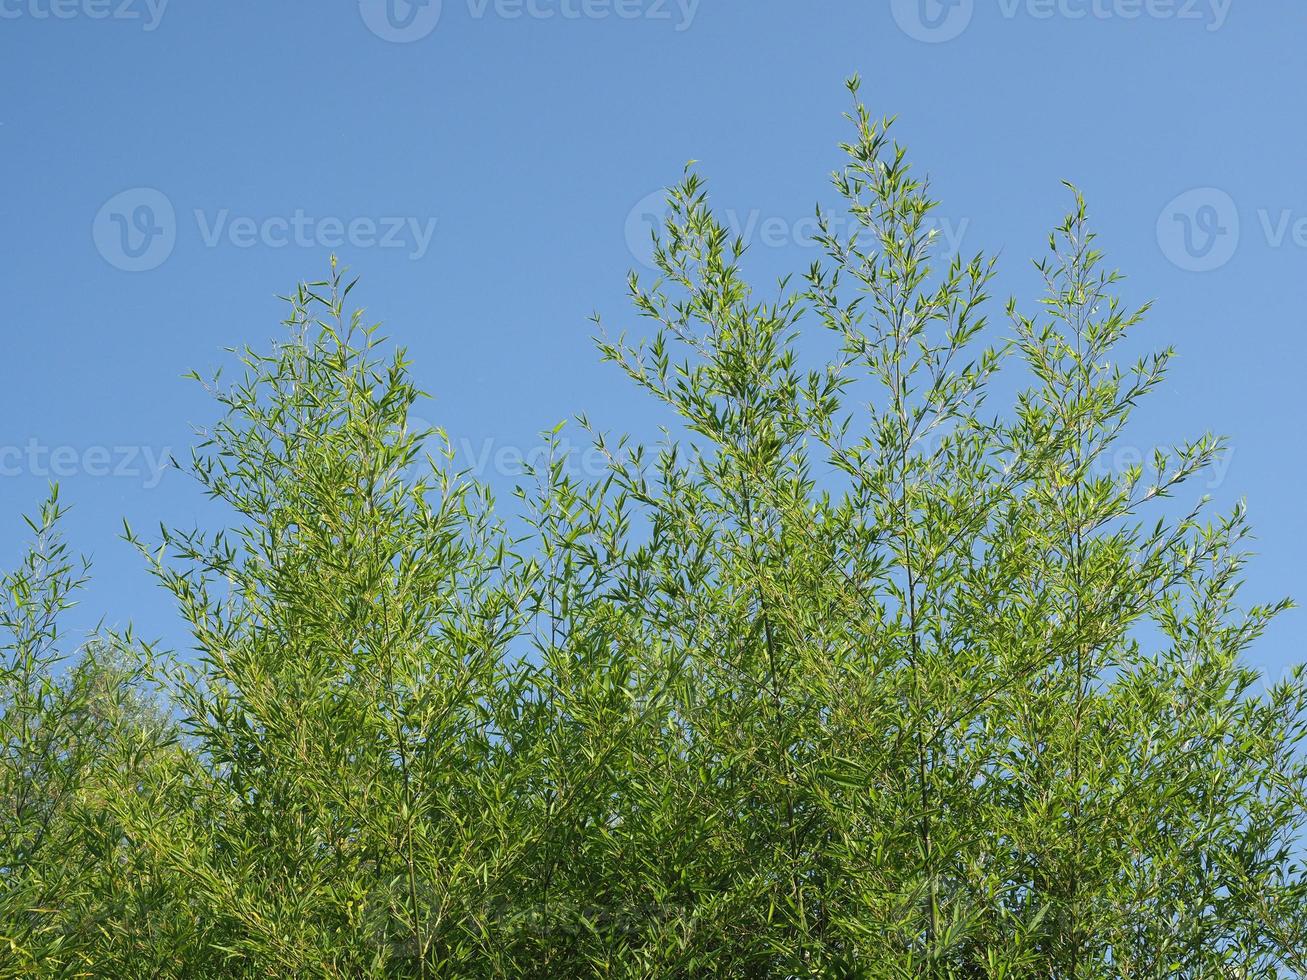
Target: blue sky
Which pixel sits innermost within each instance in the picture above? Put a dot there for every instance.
(168, 168)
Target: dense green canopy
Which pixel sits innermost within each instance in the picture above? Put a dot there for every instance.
(860, 676)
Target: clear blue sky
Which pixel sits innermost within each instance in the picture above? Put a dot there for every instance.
(168, 168)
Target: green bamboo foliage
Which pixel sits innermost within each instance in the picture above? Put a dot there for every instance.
(79, 732)
(854, 674)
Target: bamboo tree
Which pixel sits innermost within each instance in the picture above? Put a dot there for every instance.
(852, 674)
